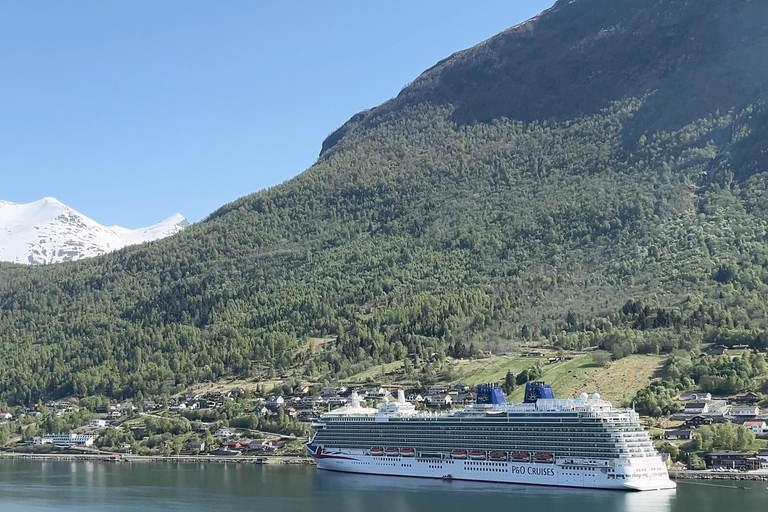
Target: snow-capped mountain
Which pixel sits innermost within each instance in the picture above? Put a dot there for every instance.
(47, 231)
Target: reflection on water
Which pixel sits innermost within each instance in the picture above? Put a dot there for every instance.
(447, 495)
(27, 486)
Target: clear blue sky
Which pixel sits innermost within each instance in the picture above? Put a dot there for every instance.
(130, 111)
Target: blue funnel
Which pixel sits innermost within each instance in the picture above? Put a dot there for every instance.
(536, 390)
(490, 394)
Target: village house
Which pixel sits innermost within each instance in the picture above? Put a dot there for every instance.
(98, 423)
(126, 407)
(196, 445)
(301, 390)
(377, 392)
(224, 432)
(6, 416)
(759, 427)
(696, 408)
(114, 414)
(699, 397)
(698, 421)
(676, 435)
(65, 440)
(336, 401)
(744, 398)
(261, 445)
(236, 393)
(311, 402)
(275, 402)
(444, 400)
(437, 390)
(461, 387)
(734, 460)
(742, 412)
(718, 350)
(333, 390)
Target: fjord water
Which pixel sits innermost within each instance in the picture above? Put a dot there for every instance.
(32, 486)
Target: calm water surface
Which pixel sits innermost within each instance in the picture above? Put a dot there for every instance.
(27, 486)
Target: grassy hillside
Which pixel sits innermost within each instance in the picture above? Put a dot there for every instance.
(595, 177)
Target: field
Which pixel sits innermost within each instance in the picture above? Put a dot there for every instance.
(618, 382)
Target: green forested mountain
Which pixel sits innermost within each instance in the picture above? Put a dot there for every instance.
(595, 176)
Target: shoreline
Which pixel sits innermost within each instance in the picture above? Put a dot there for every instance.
(706, 475)
(185, 459)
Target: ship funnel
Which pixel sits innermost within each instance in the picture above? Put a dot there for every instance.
(490, 394)
(536, 390)
(400, 396)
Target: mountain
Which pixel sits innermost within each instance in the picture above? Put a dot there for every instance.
(596, 176)
(47, 231)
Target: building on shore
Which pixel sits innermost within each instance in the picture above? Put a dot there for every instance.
(734, 460)
(65, 440)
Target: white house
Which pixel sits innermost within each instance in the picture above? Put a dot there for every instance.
(333, 390)
(696, 408)
(745, 411)
(5, 416)
(759, 427)
(440, 400)
(275, 402)
(261, 445)
(70, 439)
(224, 432)
(98, 423)
(688, 397)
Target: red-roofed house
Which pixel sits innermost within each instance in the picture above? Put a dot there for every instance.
(757, 426)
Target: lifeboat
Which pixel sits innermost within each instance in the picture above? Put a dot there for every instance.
(498, 456)
(544, 457)
(377, 451)
(459, 454)
(408, 452)
(477, 455)
(521, 457)
(392, 452)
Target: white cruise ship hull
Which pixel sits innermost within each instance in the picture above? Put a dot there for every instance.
(644, 478)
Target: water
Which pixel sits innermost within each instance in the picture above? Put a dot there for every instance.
(27, 486)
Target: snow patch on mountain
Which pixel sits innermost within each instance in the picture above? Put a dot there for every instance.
(48, 231)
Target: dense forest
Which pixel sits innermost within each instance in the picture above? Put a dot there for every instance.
(597, 176)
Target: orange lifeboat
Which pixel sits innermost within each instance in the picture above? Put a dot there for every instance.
(408, 452)
(377, 451)
(459, 454)
(392, 452)
(477, 455)
(544, 457)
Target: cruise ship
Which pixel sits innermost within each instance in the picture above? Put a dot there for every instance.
(580, 442)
